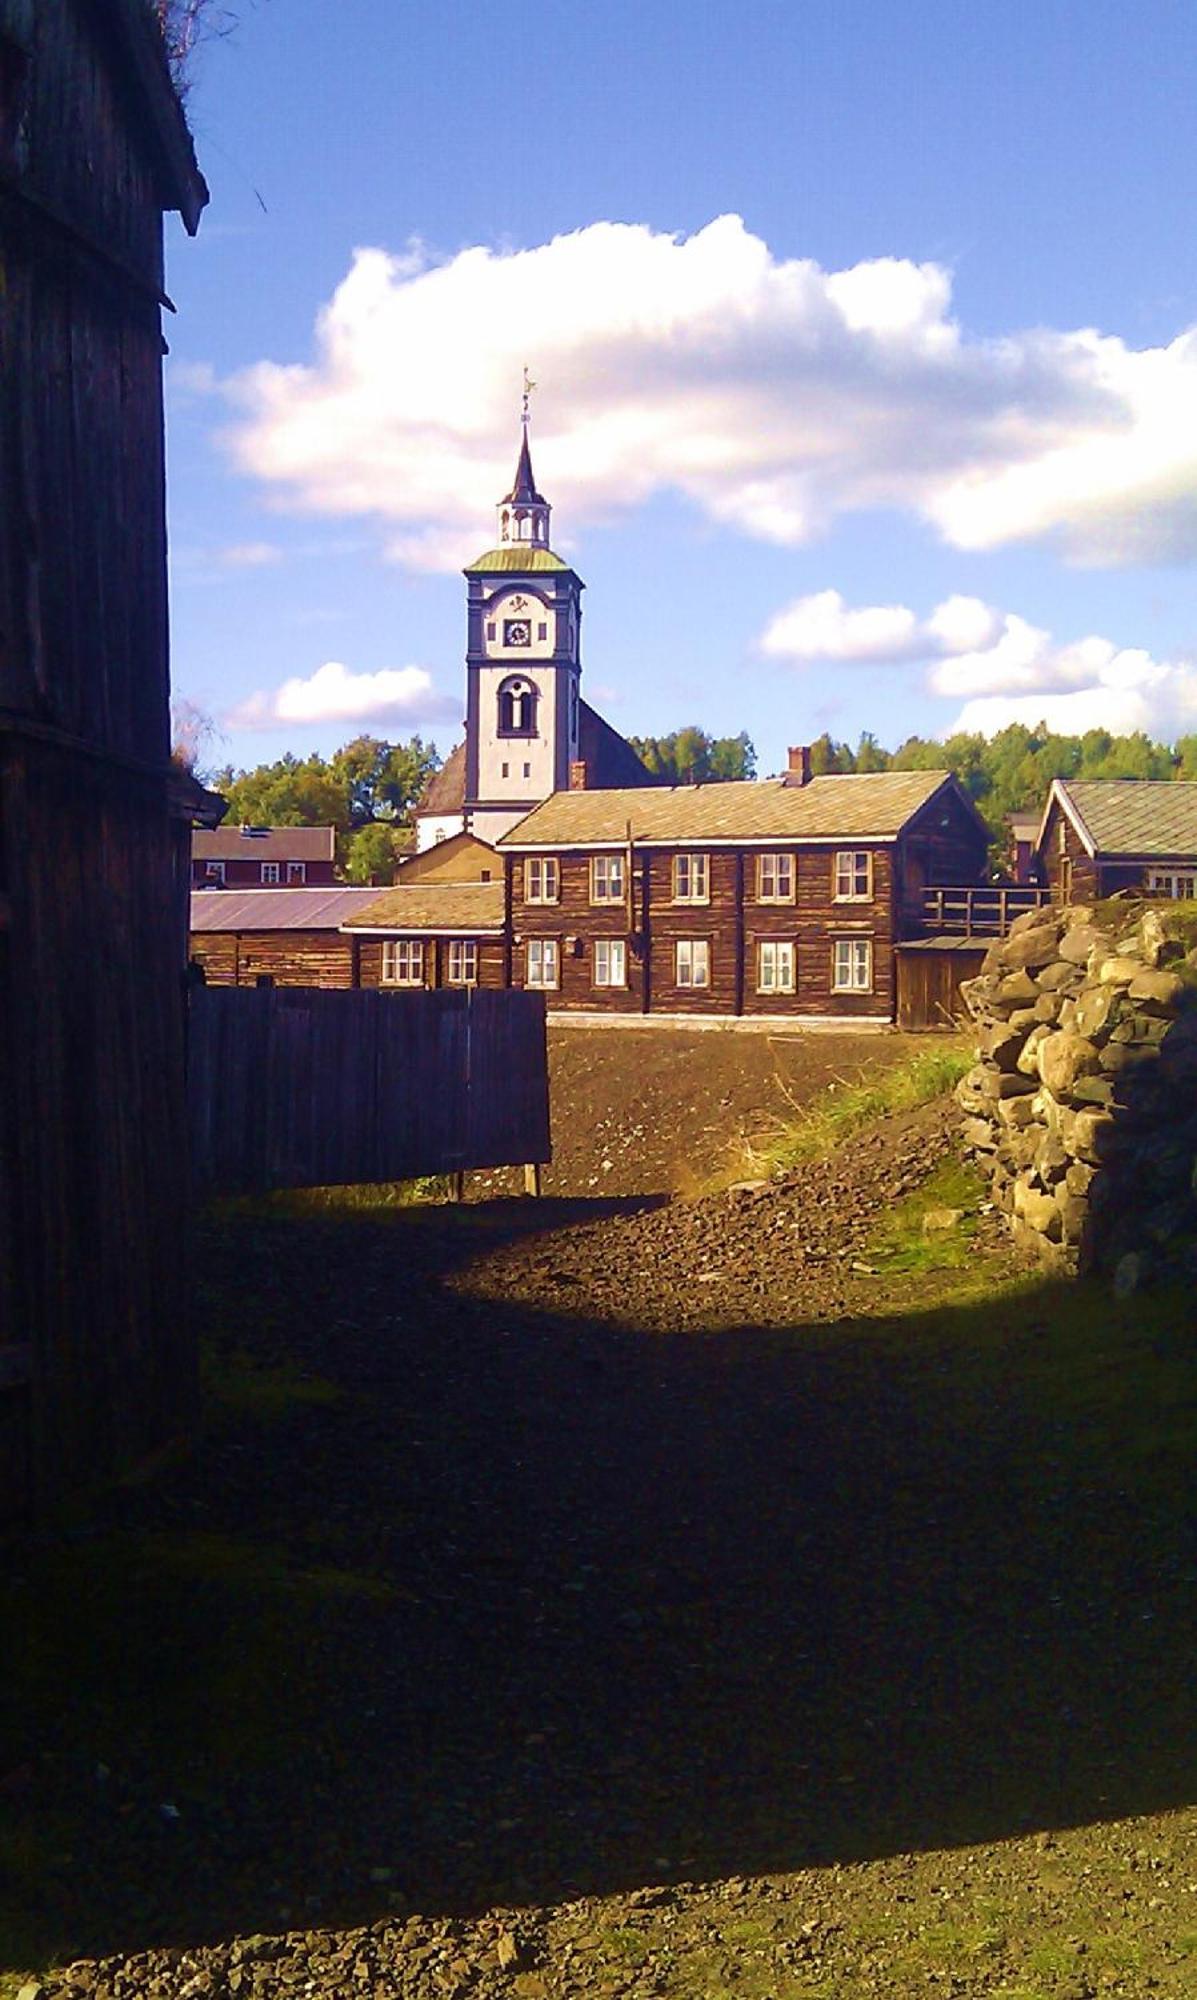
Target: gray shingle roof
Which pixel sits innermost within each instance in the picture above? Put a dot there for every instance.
(870, 805)
(465, 909)
(1134, 816)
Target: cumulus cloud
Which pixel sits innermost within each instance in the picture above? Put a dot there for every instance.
(772, 394)
(1005, 668)
(249, 555)
(334, 694)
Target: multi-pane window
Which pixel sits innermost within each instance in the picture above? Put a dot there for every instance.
(610, 962)
(403, 962)
(214, 871)
(463, 962)
(854, 875)
(297, 871)
(775, 878)
(775, 966)
(542, 879)
(606, 878)
(693, 962)
(852, 966)
(1180, 884)
(691, 878)
(542, 962)
(270, 871)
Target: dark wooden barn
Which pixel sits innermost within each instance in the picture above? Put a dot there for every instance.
(96, 1367)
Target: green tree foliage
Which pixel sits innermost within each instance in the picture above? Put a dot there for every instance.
(373, 851)
(690, 756)
(367, 787)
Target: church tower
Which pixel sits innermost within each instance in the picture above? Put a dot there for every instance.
(523, 662)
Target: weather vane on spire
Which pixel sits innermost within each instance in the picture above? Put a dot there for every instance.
(529, 385)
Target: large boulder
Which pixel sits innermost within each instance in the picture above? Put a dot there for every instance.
(1063, 1058)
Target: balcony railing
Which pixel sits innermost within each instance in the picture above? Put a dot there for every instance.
(981, 913)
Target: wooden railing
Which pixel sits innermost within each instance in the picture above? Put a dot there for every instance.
(983, 913)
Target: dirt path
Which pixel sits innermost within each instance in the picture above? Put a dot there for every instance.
(592, 1597)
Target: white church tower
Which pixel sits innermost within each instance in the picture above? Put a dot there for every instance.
(523, 662)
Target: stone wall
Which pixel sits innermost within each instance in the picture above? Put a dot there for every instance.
(1082, 1107)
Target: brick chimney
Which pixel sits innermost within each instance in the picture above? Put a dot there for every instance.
(798, 769)
(579, 775)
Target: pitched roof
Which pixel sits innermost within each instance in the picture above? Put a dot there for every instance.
(463, 909)
(863, 806)
(147, 70)
(519, 557)
(445, 790)
(610, 759)
(264, 843)
(524, 489)
(1134, 816)
(275, 909)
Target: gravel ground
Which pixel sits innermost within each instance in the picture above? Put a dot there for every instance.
(591, 1597)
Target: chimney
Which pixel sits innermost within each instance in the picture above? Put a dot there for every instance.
(579, 775)
(798, 770)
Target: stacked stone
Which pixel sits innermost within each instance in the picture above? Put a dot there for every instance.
(1082, 1107)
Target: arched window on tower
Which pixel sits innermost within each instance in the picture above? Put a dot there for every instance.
(506, 524)
(517, 707)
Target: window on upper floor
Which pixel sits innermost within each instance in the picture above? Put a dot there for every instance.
(853, 875)
(214, 871)
(542, 879)
(606, 878)
(775, 878)
(270, 871)
(691, 878)
(517, 707)
(297, 871)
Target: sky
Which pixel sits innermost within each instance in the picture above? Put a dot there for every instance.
(864, 338)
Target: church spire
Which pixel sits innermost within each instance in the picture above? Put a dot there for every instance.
(524, 512)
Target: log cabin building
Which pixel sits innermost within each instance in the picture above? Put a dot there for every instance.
(1103, 836)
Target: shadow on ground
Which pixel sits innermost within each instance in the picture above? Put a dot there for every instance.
(461, 1603)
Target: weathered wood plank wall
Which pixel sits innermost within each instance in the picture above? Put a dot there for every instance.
(294, 1087)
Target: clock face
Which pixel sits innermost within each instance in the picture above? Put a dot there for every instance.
(517, 632)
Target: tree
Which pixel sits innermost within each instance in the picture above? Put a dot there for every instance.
(291, 792)
(383, 781)
(690, 756)
(372, 852)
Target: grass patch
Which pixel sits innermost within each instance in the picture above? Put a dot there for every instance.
(917, 1235)
(238, 1384)
(366, 1198)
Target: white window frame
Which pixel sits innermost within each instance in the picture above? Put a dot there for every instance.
(403, 961)
(776, 966)
(542, 964)
(692, 964)
(542, 879)
(691, 878)
(1180, 884)
(610, 962)
(606, 878)
(462, 967)
(214, 871)
(850, 867)
(297, 871)
(269, 871)
(852, 965)
(775, 867)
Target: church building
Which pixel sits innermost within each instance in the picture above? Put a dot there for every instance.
(528, 731)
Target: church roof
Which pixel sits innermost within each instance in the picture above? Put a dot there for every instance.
(524, 490)
(520, 557)
(861, 806)
(445, 790)
(609, 758)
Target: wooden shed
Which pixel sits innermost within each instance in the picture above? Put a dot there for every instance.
(96, 1363)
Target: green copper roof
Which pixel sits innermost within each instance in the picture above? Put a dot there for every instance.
(520, 558)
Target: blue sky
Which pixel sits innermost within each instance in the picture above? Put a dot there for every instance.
(864, 393)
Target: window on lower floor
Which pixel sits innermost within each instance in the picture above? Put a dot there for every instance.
(403, 962)
(214, 871)
(693, 962)
(1179, 883)
(852, 965)
(775, 966)
(297, 871)
(610, 962)
(543, 963)
(463, 962)
(270, 871)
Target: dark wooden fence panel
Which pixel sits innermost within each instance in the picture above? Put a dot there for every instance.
(298, 1087)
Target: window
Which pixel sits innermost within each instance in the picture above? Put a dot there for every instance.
(517, 705)
(852, 966)
(1062, 837)
(690, 878)
(463, 962)
(270, 871)
(854, 876)
(1179, 883)
(606, 878)
(214, 871)
(297, 871)
(527, 770)
(610, 962)
(506, 769)
(775, 878)
(542, 962)
(542, 880)
(403, 962)
(693, 962)
(490, 628)
(775, 966)
(542, 631)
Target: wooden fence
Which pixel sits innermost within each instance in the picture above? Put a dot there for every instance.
(294, 1087)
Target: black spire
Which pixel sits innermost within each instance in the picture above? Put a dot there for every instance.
(524, 491)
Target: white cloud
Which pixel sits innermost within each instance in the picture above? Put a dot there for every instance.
(772, 394)
(822, 627)
(249, 555)
(334, 694)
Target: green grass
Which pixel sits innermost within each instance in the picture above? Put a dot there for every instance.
(904, 1243)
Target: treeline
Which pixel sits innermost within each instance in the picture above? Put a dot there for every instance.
(366, 790)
